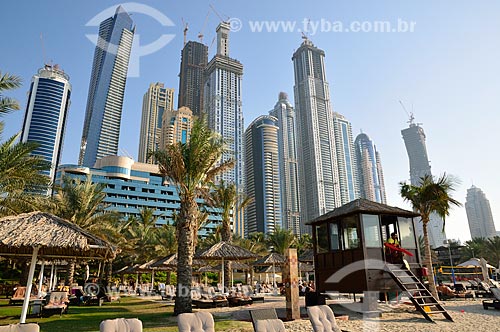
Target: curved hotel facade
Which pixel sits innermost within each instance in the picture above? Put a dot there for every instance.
(46, 114)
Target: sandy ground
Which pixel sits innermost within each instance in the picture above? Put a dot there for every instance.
(468, 315)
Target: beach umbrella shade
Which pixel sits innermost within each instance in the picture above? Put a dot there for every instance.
(224, 250)
(474, 262)
(170, 261)
(307, 256)
(39, 234)
(271, 259)
(304, 267)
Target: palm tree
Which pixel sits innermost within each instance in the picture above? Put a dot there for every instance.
(227, 198)
(281, 240)
(82, 203)
(492, 250)
(431, 196)
(8, 82)
(192, 168)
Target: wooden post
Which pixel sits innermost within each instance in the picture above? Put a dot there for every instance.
(291, 282)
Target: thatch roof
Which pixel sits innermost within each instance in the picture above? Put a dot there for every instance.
(227, 251)
(171, 262)
(272, 258)
(362, 205)
(269, 269)
(304, 267)
(209, 268)
(54, 236)
(307, 256)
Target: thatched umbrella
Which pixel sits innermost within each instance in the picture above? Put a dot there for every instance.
(307, 256)
(224, 250)
(39, 234)
(271, 259)
(170, 261)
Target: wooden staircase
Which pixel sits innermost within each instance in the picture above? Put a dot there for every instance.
(420, 296)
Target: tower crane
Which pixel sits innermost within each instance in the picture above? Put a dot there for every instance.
(185, 25)
(200, 34)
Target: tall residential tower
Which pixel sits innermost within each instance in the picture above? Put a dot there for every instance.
(194, 59)
(370, 175)
(477, 206)
(156, 101)
(289, 169)
(46, 114)
(414, 138)
(263, 213)
(346, 159)
(319, 180)
(223, 105)
(101, 129)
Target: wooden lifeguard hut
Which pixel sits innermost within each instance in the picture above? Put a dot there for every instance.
(350, 256)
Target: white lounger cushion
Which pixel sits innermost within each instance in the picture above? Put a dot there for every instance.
(269, 325)
(121, 325)
(196, 322)
(322, 319)
(31, 327)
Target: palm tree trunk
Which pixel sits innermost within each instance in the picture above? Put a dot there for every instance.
(70, 274)
(186, 231)
(226, 231)
(428, 260)
(169, 278)
(228, 274)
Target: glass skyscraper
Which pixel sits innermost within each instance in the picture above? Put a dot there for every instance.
(414, 138)
(263, 213)
(346, 159)
(319, 179)
(101, 129)
(477, 206)
(46, 114)
(289, 169)
(370, 175)
(223, 106)
(194, 59)
(156, 101)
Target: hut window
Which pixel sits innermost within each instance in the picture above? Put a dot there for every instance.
(322, 238)
(351, 239)
(334, 237)
(371, 231)
(406, 235)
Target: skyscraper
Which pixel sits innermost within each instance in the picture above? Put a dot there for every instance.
(346, 159)
(194, 59)
(370, 175)
(156, 101)
(176, 126)
(477, 206)
(319, 180)
(223, 105)
(46, 114)
(289, 169)
(101, 128)
(263, 213)
(414, 138)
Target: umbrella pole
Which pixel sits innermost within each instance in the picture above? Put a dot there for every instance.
(54, 283)
(51, 276)
(40, 277)
(152, 279)
(274, 280)
(31, 273)
(223, 290)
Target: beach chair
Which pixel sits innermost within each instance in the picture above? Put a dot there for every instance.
(121, 325)
(269, 325)
(31, 327)
(322, 319)
(58, 304)
(18, 296)
(495, 303)
(201, 321)
(262, 314)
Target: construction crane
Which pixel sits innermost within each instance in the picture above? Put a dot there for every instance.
(200, 34)
(218, 15)
(411, 118)
(185, 25)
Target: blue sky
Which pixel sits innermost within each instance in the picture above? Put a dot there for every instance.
(447, 70)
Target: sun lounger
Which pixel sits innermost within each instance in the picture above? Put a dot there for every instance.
(18, 296)
(58, 304)
(31, 327)
(323, 319)
(262, 314)
(201, 321)
(495, 303)
(269, 325)
(121, 325)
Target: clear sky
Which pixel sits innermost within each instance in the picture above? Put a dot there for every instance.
(447, 70)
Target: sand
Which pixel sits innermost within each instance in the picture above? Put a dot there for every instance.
(468, 315)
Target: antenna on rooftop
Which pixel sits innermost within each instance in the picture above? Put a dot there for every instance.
(44, 55)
